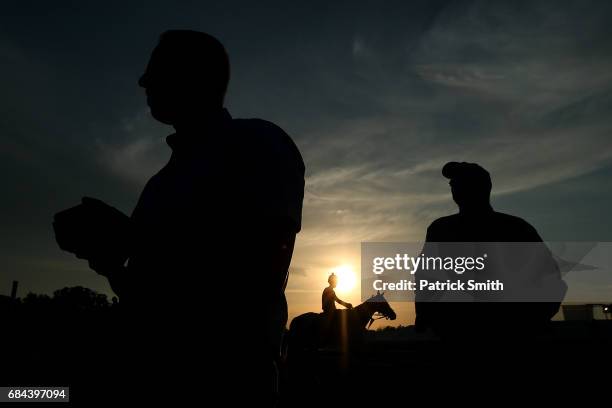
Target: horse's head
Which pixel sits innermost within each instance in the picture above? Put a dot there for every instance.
(381, 306)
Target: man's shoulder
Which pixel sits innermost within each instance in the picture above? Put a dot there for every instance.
(258, 125)
(512, 219)
(262, 131)
(525, 231)
(260, 134)
(443, 222)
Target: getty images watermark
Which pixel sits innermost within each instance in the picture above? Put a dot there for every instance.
(413, 264)
(488, 271)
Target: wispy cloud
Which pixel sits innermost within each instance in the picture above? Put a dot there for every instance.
(138, 155)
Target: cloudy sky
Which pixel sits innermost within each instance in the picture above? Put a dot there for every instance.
(377, 97)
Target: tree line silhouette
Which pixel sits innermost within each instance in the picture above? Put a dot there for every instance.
(67, 299)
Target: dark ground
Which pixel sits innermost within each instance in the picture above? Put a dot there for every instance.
(83, 349)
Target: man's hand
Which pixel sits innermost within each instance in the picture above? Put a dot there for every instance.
(349, 305)
(93, 230)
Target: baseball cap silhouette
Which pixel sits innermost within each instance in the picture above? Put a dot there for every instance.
(467, 174)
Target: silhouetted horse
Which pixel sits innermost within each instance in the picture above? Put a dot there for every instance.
(342, 328)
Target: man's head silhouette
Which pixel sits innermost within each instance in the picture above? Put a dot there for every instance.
(186, 77)
(332, 280)
(470, 185)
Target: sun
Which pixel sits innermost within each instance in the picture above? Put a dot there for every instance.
(347, 279)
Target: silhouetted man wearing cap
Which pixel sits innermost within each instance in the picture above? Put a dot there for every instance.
(477, 222)
(208, 246)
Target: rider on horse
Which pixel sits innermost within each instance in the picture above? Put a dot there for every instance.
(329, 298)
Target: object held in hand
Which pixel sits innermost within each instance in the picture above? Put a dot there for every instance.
(94, 230)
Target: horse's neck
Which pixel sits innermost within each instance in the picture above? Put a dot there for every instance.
(365, 312)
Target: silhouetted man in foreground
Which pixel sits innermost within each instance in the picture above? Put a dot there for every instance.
(210, 241)
(527, 265)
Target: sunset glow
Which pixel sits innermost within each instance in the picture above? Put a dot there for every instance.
(347, 278)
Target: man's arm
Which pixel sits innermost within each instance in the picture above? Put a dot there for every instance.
(343, 303)
(95, 231)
